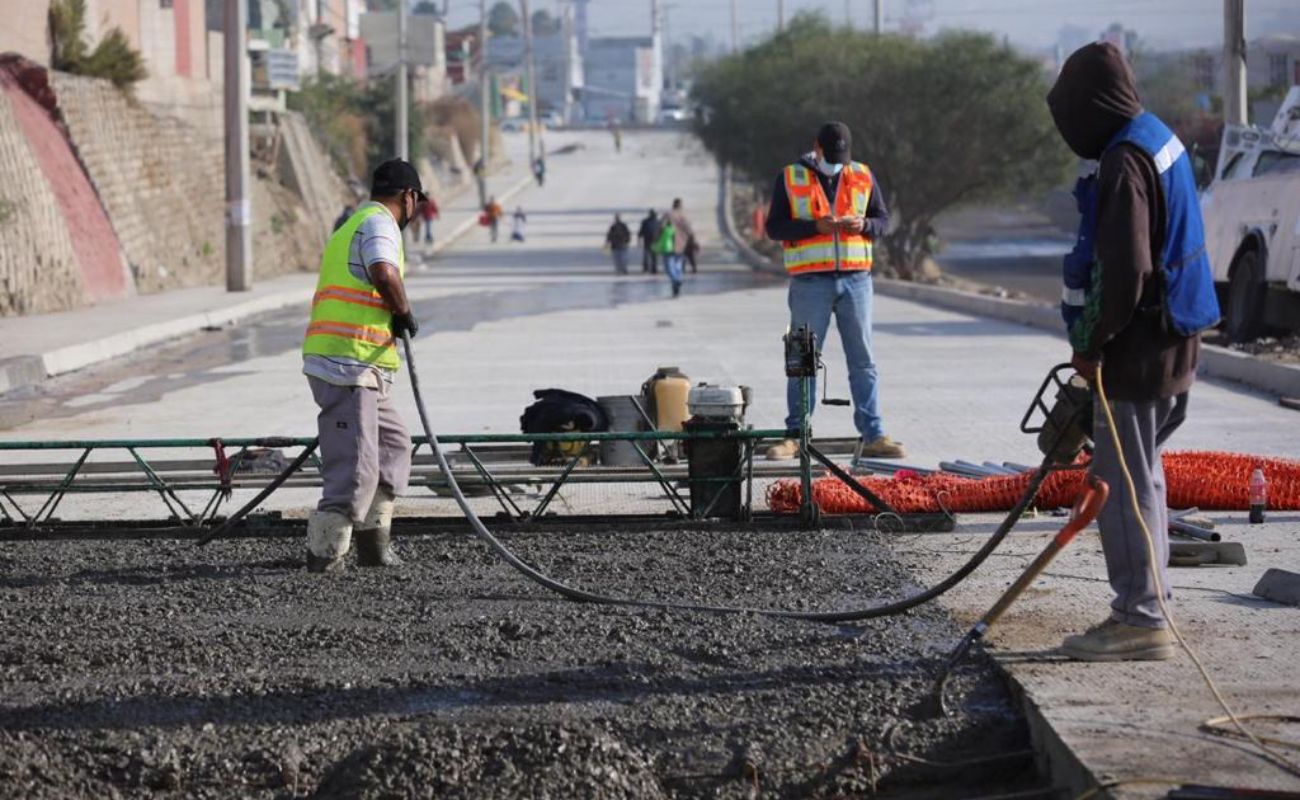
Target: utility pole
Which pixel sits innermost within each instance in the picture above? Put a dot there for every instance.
(403, 86)
(485, 109)
(1234, 62)
(239, 240)
(669, 56)
(848, 13)
(530, 66)
(878, 17)
(735, 30)
(780, 15)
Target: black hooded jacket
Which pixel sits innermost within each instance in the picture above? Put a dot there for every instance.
(1123, 323)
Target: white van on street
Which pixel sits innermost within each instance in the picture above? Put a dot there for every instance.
(1252, 224)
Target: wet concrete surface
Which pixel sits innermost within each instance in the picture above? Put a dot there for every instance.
(195, 360)
(152, 668)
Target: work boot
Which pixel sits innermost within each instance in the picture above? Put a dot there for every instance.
(783, 450)
(329, 537)
(375, 533)
(1117, 641)
(882, 447)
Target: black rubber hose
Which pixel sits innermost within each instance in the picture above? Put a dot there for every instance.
(234, 518)
(581, 595)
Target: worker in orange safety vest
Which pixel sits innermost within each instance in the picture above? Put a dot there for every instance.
(827, 211)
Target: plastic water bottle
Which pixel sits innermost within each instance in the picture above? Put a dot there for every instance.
(1258, 496)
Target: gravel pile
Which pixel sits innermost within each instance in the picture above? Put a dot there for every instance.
(152, 668)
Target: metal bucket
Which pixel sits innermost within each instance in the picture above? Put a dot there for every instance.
(623, 418)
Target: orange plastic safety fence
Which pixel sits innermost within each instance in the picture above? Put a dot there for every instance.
(1207, 480)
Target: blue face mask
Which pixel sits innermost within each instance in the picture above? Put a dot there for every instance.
(826, 168)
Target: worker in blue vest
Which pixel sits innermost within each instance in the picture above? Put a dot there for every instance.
(1143, 296)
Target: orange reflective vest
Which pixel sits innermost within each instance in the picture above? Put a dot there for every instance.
(348, 317)
(833, 251)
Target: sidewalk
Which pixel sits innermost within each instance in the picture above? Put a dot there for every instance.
(39, 346)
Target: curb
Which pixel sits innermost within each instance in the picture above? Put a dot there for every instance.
(31, 370)
(1217, 362)
(727, 224)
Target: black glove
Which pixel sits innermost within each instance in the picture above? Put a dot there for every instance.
(405, 323)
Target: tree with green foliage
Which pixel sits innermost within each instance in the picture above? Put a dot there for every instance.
(112, 59)
(944, 122)
(503, 20)
(425, 7)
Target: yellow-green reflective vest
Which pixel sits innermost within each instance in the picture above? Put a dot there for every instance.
(349, 319)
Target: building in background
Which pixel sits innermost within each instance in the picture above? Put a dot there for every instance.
(559, 68)
(1272, 67)
(426, 51)
(623, 79)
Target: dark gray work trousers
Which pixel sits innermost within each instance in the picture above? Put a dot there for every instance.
(363, 445)
(1143, 430)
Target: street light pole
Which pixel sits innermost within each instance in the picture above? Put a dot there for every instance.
(485, 106)
(403, 86)
(878, 16)
(1234, 62)
(239, 240)
(530, 66)
(735, 30)
(780, 15)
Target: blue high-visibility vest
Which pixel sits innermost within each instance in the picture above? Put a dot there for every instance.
(1077, 266)
(1190, 303)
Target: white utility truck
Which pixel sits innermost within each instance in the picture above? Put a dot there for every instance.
(1252, 224)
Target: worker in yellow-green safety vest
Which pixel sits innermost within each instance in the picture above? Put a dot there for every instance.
(358, 314)
(827, 211)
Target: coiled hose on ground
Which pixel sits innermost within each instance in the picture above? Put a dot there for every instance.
(1028, 493)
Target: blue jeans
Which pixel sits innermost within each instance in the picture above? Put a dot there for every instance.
(673, 263)
(848, 294)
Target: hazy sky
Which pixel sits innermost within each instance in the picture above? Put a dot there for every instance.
(1030, 23)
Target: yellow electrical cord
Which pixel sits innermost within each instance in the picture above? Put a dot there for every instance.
(1096, 790)
(1271, 755)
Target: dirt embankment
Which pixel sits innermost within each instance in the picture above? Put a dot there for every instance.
(151, 668)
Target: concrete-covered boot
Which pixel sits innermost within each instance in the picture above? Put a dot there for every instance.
(375, 534)
(329, 537)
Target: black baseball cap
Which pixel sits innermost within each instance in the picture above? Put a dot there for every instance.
(836, 142)
(394, 176)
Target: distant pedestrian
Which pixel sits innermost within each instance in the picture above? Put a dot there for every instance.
(692, 250)
(492, 214)
(647, 235)
(480, 179)
(348, 211)
(617, 240)
(674, 247)
(539, 170)
(428, 213)
(518, 225)
(617, 130)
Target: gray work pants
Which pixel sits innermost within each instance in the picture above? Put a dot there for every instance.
(363, 445)
(1143, 429)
